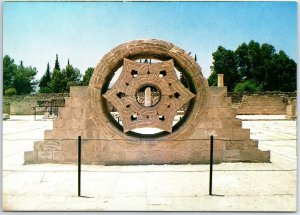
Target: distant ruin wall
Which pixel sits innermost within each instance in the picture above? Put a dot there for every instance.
(23, 104)
(264, 103)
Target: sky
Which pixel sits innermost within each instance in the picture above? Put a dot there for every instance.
(84, 32)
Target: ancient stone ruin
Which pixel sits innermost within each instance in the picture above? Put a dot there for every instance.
(147, 95)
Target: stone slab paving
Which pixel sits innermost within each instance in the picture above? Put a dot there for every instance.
(237, 186)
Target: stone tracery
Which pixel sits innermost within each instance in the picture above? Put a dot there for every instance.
(136, 75)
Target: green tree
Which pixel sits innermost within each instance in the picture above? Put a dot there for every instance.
(213, 78)
(72, 76)
(58, 81)
(243, 61)
(87, 76)
(267, 54)
(45, 81)
(283, 73)
(9, 69)
(56, 65)
(256, 67)
(62, 80)
(224, 63)
(24, 79)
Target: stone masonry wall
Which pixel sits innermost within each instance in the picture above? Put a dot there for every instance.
(264, 103)
(103, 141)
(23, 104)
(99, 146)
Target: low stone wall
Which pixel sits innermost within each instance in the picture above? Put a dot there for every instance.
(23, 104)
(265, 103)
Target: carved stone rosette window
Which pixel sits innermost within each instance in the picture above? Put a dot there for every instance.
(169, 95)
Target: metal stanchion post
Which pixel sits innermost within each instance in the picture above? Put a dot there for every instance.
(79, 164)
(211, 163)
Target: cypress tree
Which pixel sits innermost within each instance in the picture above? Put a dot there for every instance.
(46, 78)
(57, 67)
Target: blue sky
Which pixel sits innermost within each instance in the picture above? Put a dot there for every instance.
(84, 31)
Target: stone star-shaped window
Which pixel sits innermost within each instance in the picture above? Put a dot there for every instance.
(148, 95)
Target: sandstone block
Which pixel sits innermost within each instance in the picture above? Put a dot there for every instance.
(69, 145)
(196, 156)
(88, 145)
(198, 145)
(218, 145)
(217, 156)
(68, 102)
(62, 123)
(232, 155)
(114, 157)
(115, 146)
(90, 134)
(78, 91)
(182, 157)
(64, 113)
(169, 156)
(199, 134)
(132, 157)
(77, 113)
(251, 144)
(73, 133)
(30, 157)
(38, 145)
(240, 134)
(235, 145)
(232, 123)
(86, 156)
(58, 156)
(50, 145)
(48, 134)
(178, 145)
(255, 156)
(70, 156)
(78, 102)
(227, 113)
(152, 157)
(45, 156)
(89, 124)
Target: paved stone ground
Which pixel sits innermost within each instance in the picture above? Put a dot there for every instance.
(237, 186)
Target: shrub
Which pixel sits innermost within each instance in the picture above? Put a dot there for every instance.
(247, 86)
(10, 91)
(45, 90)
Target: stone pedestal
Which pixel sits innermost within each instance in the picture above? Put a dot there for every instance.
(291, 108)
(220, 80)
